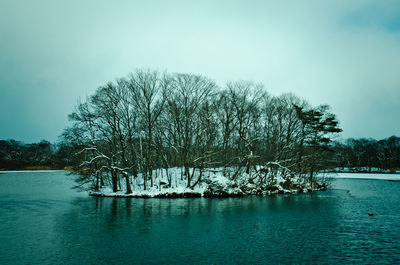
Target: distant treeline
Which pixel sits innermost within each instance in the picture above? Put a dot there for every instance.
(358, 154)
(368, 154)
(15, 155)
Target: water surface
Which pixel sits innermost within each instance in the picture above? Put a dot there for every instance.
(43, 221)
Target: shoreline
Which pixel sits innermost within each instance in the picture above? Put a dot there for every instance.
(325, 172)
(226, 192)
(368, 176)
(195, 194)
(32, 171)
(363, 172)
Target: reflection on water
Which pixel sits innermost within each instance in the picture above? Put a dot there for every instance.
(322, 227)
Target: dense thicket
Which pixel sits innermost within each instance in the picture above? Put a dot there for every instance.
(151, 120)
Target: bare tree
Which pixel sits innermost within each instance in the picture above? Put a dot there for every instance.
(190, 92)
(149, 91)
(246, 98)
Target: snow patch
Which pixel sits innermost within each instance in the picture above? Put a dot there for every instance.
(394, 177)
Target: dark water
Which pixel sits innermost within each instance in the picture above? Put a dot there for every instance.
(42, 221)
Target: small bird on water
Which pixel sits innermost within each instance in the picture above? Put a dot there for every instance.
(370, 214)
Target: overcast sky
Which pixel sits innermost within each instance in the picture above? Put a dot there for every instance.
(342, 53)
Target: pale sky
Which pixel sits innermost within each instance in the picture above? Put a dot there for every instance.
(342, 53)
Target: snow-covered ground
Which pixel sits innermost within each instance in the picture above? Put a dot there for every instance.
(213, 184)
(395, 177)
(361, 170)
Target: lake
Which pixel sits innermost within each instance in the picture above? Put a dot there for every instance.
(43, 221)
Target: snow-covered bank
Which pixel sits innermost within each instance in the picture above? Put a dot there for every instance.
(152, 193)
(393, 177)
(213, 183)
(187, 193)
(372, 170)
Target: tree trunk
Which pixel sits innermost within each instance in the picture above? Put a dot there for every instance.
(144, 174)
(149, 165)
(97, 181)
(114, 180)
(128, 184)
(119, 180)
(187, 172)
(300, 154)
(101, 180)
